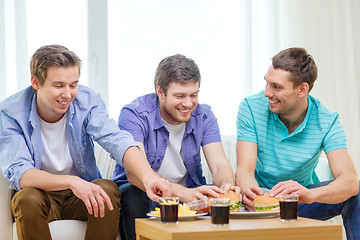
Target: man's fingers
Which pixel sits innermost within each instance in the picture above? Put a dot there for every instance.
(165, 191)
(153, 196)
(101, 206)
(88, 206)
(226, 188)
(257, 191)
(250, 195)
(160, 190)
(94, 205)
(248, 202)
(107, 200)
(236, 189)
(208, 190)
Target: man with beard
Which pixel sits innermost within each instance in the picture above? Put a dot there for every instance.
(170, 128)
(281, 133)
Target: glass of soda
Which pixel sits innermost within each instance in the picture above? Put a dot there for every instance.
(169, 209)
(220, 211)
(288, 207)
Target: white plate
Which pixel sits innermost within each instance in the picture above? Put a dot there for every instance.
(252, 214)
(180, 218)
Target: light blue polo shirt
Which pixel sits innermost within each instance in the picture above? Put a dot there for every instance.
(282, 156)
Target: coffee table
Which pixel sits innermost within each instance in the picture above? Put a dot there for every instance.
(249, 229)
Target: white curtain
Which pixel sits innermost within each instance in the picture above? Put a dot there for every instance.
(231, 40)
(330, 31)
(327, 29)
(141, 33)
(13, 46)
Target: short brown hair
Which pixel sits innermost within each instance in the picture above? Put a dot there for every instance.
(299, 63)
(176, 68)
(52, 56)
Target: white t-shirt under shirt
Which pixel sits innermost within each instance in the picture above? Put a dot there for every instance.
(56, 157)
(173, 166)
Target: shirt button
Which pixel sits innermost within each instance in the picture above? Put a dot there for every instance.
(158, 160)
(164, 140)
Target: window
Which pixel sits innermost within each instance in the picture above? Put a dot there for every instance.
(58, 22)
(142, 33)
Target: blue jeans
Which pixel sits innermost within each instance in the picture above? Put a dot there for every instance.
(349, 210)
(134, 204)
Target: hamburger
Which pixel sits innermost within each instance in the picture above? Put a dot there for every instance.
(265, 202)
(235, 204)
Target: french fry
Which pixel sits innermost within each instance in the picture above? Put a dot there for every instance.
(183, 210)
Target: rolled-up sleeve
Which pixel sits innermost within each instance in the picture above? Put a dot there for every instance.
(106, 132)
(14, 152)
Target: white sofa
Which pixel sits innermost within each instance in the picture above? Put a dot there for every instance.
(73, 229)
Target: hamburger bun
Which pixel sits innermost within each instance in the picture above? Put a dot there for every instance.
(266, 203)
(235, 204)
(234, 198)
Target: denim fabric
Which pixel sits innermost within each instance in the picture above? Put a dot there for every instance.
(349, 210)
(87, 120)
(142, 119)
(134, 204)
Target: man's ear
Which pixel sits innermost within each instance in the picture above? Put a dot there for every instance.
(35, 83)
(159, 92)
(303, 89)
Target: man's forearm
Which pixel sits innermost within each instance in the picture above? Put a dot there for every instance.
(45, 181)
(339, 190)
(223, 176)
(138, 169)
(245, 180)
(346, 180)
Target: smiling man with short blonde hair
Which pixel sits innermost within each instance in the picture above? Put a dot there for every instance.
(47, 151)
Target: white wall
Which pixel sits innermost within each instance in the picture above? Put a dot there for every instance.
(330, 31)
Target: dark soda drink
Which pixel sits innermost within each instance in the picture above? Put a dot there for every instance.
(169, 213)
(220, 214)
(288, 210)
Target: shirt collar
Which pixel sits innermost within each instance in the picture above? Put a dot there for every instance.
(303, 124)
(34, 116)
(158, 122)
(71, 111)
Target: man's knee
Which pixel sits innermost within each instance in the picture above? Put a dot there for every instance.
(134, 200)
(132, 193)
(110, 188)
(29, 200)
(108, 185)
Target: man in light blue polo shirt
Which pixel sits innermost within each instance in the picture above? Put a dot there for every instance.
(281, 133)
(170, 128)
